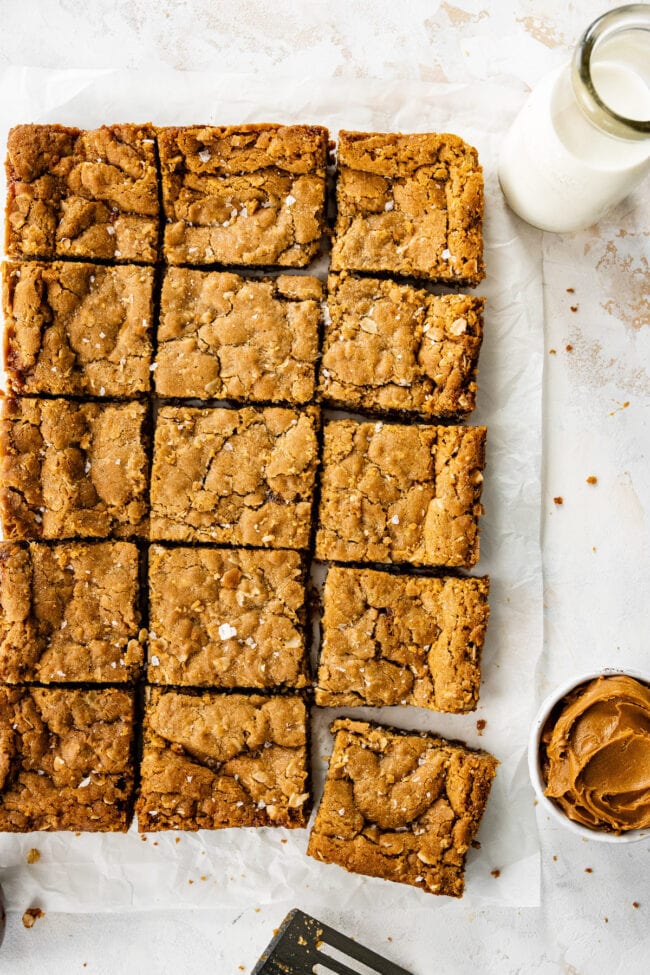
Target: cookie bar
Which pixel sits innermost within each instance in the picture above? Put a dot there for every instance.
(72, 469)
(401, 806)
(213, 761)
(235, 477)
(69, 612)
(410, 205)
(392, 348)
(249, 195)
(226, 337)
(91, 194)
(401, 639)
(74, 329)
(397, 493)
(226, 618)
(67, 761)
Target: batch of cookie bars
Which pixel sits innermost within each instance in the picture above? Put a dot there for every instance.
(169, 470)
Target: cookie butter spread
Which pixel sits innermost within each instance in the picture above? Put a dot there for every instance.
(596, 756)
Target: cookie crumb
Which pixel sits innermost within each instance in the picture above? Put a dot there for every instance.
(283, 840)
(554, 857)
(480, 725)
(635, 905)
(495, 873)
(574, 307)
(592, 479)
(588, 870)
(606, 920)
(568, 348)
(476, 845)
(570, 291)
(552, 351)
(203, 877)
(31, 916)
(34, 855)
(558, 500)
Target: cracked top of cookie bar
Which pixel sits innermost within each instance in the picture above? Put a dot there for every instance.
(66, 759)
(75, 329)
(398, 493)
(402, 806)
(409, 205)
(223, 336)
(213, 761)
(84, 194)
(69, 612)
(72, 469)
(401, 639)
(226, 618)
(250, 194)
(237, 477)
(392, 348)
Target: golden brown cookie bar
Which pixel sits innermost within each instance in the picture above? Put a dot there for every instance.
(226, 618)
(236, 477)
(250, 194)
(409, 204)
(226, 337)
(72, 469)
(69, 612)
(212, 761)
(401, 639)
(392, 348)
(401, 806)
(397, 493)
(74, 329)
(66, 759)
(91, 194)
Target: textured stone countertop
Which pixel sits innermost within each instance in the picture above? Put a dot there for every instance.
(596, 544)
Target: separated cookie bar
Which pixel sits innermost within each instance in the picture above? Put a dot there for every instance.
(236, 477)
(212, 761)
(396, 493)
(250, 194)
(400, 639)
(72, 469)
(226, 337)
(390, 347)
(67, 762)
(75, 329)
(226, 618)
(401, 806)
(82, 194)
(409, 204)
(69, 612)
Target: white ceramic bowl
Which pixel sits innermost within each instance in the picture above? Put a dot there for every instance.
(555, 811)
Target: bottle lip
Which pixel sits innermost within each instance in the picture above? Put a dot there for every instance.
(633, 16)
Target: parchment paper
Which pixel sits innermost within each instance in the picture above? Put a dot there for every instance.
(232, 868)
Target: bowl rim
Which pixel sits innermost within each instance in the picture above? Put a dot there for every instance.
(534, 768)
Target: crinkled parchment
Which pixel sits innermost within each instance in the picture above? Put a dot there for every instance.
(250, 867)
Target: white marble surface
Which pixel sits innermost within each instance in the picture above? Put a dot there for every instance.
(596, 408)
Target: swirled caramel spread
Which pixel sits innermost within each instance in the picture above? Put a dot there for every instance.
(596, 756)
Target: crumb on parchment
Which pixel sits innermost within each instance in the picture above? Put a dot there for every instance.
(558, 500)
(31, 916)
(592, 479)
(33, 855)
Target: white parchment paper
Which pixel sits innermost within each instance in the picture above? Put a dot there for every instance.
(240, 868)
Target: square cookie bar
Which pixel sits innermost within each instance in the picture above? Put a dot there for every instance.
(396, 493)
(235, 477)
(401, 639)
(411, 205)
(72, 469)
(69, 612)
(401, 806)
(392, 348)
(250, 194)
(212, 761)
(74, 329)
(67, 762)
(226, 618)
(226, 337)
(91, 194)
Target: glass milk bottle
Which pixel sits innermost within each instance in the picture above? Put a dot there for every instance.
(582, 140)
